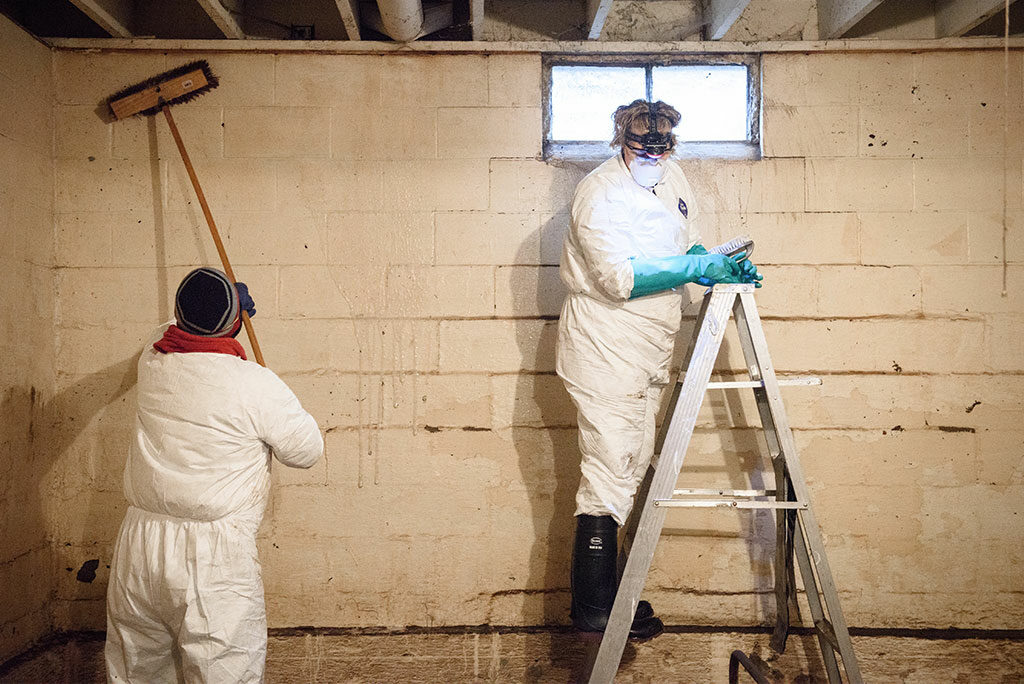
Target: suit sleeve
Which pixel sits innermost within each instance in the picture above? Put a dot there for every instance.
(598, 223)
(288, 429)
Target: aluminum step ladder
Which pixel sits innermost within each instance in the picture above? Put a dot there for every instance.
(796, 527)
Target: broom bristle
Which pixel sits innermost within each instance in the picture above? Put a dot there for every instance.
(202, 64)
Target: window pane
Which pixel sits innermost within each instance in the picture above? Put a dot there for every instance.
(712, 100)
(583, 99)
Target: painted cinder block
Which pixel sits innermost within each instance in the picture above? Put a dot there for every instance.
(977, 512)
(328, 80)
(359, 131)
(89, 78)
(869, 291)
(36, 174)
(881, 511)
(527, 291)
(805, 131)
(538, 401)
(973, 184)
(357, 238)
(148, 236)
(497, 346)
(25, 60)
(1005, 346)
(384, 346)
(769, 185)
(96, 296)
(244, 80)
(789, 291)
(553, 229)
(971, 289)
(228, 184)
(277, 132)
(970, 77)
(443, 184)
(485, 132)
(878, 346)
(1001, 457)
(794, 238)
(913, 238)
(98, 349)
(885, 79)
(332, 291)
(462, 401)
(860, 185)
(986, 134)
(486, 238)
(436, 80)
(905, 458)
(149, 137)
(440, 291)
(914, 131)
(29, 118)
(30, 571)
(322, 185)
(111, 185)
(530, 186)
(985, 237)
(81, 134)
(513, 80)
(274, 237)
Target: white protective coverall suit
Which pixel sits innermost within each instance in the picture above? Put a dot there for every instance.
(614, 353)
(185, 599)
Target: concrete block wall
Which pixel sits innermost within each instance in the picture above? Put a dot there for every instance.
(401, 237)
(26, 333)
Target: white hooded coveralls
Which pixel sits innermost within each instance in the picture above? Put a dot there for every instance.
(614, 353)
(185, 599)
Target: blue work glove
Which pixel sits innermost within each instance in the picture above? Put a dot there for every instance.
(664, 273)
(244, 300)
(750, 273)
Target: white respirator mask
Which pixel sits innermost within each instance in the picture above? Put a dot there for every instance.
(647, 172)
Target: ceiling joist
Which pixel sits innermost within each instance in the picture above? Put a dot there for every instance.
(597, 14)
(349, 11)
(113, 16)
(957, 17)
(720, 15)
(836, 17)
(476, 16)
(222, 18)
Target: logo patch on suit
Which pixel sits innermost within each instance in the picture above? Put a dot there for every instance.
(682, 208)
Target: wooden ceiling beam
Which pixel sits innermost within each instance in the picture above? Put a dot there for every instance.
(221, 16)
(349, 11)
(597, 14)
(836, 17)
(957, 17)
(720, 15)
(113, 16)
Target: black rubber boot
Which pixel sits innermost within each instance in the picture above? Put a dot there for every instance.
(594, 580)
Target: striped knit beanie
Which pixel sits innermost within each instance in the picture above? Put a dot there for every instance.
(206, 304)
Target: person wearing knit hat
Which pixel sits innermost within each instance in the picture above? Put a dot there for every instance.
(207, 304)
(185, 596)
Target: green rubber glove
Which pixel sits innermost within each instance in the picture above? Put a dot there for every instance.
(664, 273)
(697, 249)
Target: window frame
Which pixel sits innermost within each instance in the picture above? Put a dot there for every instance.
(581, 150)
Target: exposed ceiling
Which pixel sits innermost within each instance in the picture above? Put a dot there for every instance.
(515, 20)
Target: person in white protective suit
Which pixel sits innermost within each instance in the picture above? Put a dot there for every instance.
(185, 598)
(631, 242)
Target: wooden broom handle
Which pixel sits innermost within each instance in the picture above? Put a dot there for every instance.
(213, 229)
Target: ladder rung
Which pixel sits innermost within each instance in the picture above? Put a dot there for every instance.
(724, 492)
(728, 503)
(797, 381)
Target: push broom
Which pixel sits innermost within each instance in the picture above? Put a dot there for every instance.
(158, 94)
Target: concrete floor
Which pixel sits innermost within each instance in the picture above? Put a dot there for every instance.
(689, 656)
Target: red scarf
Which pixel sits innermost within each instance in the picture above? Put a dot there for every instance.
(177, 340)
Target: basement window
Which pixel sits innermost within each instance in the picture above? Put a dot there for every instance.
(718, 96)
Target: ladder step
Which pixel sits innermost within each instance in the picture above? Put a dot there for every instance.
(796, 381)
(729, 503)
